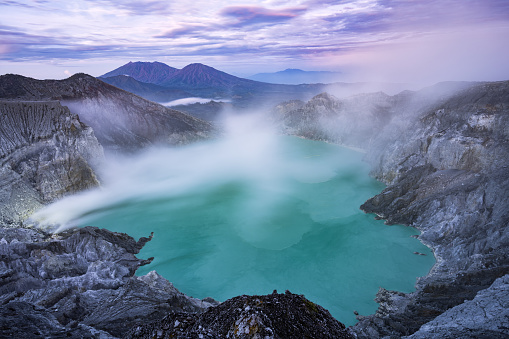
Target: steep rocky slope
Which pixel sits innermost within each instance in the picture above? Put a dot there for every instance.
(46, 152)
(445, 160)
(148, 91)
(121, 121)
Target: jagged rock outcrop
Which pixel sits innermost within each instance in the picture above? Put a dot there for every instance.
(267, 316)
(46, 152)
(80, 284)
(485, 316)
(121, 120)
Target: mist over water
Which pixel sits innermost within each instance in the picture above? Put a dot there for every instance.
(192, 100)
(253, 212)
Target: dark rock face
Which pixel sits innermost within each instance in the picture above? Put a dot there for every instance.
(148, 91)
(121, 121)
(80, 284)
(268, 316)
(46, 152)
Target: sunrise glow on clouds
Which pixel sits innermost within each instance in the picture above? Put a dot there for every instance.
(375, 39)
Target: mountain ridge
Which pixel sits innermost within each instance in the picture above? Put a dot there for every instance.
(148, 72)
(199, 80)
(121, 120)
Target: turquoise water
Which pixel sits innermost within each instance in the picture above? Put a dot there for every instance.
(282, 214)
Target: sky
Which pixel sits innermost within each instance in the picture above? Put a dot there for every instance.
(421, 41)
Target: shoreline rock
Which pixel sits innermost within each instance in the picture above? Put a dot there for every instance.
(445, 164)
(80, 283)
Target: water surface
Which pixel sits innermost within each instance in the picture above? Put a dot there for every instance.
(256, 213)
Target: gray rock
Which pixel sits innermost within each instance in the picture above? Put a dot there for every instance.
(448, 177)
(351, 121)
(80, 283)
(46, 152)
(485, 316)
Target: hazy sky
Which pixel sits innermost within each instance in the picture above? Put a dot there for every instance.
(387, 40)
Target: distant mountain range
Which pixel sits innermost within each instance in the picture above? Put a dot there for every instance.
(192, 76)
(159, 82)
(149, 72)
(162, 83)
(293, 76)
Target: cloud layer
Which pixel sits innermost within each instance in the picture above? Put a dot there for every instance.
(252, 35)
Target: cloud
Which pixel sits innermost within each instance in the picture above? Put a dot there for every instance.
(16, 4)
(435, 13)
(250, 15)
(289, 33)
(151, 7)
(181, 31)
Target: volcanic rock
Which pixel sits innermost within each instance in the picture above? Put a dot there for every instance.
(80, 284)
(46, 152)
(274, 316)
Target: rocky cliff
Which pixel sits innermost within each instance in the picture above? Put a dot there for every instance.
(444, 154)
(121, 120)
(352, 121)
(46, 152)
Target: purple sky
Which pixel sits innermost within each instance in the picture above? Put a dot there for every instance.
(422, 41)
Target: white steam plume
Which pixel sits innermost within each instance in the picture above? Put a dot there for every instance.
(250, 152)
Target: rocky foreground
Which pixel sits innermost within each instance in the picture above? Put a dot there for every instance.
(443, 153)
(80, 284)
(259, 316)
